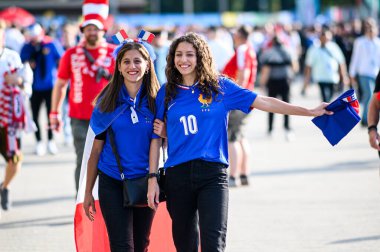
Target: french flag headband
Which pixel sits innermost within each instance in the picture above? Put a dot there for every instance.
(145, 38)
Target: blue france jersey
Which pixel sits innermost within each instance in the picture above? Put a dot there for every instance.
(196, 126)
(132, 138)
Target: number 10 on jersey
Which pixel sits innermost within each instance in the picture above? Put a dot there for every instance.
(189, 124)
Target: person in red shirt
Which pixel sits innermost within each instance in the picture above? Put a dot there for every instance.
(242, 67)
(373, 116)
(88, 67)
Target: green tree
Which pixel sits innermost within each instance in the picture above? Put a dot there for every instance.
(171, 6)
(205, 6)
(328, 3)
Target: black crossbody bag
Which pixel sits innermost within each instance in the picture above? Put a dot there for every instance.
(135, 190)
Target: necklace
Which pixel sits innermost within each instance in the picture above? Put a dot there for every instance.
(192, 87)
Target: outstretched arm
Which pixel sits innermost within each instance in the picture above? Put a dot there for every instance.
(270, 104)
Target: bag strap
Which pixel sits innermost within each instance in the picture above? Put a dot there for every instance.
(163, 150)
(330, 54)
(116, 154)
(88, 55)
(114, 150)
(285, 59)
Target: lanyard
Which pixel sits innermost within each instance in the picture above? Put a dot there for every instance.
(134, 117)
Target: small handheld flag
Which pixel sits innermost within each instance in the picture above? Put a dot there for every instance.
(335, 127)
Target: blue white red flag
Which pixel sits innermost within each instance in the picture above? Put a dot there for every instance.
(93, 236)
(353, 101)
(346, 116)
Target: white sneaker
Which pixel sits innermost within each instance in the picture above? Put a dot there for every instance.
(52, 147)
(68, 141)
(40, 148)
(290, 136)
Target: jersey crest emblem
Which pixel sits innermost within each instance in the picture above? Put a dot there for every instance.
(205, 101)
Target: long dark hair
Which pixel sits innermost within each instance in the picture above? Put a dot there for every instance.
(206, 74)
(109, 96)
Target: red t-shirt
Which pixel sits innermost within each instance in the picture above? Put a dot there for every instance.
(75, 66)
(244, 58)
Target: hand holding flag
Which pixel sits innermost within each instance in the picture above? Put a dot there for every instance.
(335, 127)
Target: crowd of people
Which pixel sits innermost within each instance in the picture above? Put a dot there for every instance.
(191, 87)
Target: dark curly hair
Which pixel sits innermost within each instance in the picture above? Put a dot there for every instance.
(206, 74)
(150, 85)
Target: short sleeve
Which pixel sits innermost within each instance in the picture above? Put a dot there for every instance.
(241, 51)
(236, 97)
(25, 53)
(264, 58)
(102, 136)
(58, 50)
(17, 60)
(338, 54)
(160, 106)
(377, 87)
(160, 103)
(64, 69)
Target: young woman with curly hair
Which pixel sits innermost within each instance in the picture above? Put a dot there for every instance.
(195, 104)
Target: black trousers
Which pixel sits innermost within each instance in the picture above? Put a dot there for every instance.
(197, 201)
(36, 100)
(327, 90)
(128, 228)
(278, 88)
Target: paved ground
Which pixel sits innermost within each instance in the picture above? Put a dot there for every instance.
(304, 196)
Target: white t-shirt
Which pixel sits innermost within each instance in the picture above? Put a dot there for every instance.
(10, 60)
(365, 58)
(324, 62)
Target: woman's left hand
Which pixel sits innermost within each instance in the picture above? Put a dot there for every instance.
(159, 128)
(153, 193)
(321, 110)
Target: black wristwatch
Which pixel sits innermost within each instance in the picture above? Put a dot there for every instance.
(152, 175)
(372, 127)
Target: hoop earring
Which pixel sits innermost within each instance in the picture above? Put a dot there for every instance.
(147, 71)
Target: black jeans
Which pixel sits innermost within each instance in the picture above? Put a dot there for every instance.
(128, 228)
(278, 87)
(38, 97)
(198, 190)
(327, 90)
